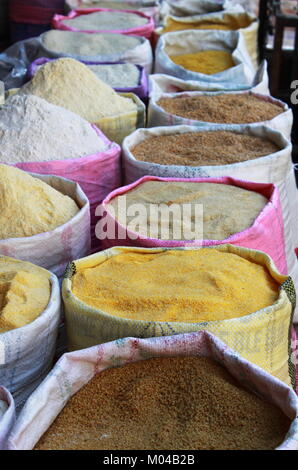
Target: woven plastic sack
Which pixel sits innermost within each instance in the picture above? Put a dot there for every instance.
(97, 174)
(161, 84)
(159, 117)
(141, 89)
(55, 249)
(235, 19)
(257, 237)
(191, 7)
(28, 351)
(7, 420)
(263, 337)
(145, 30)
(140, 54)
(74, 370)
(192, 41)
(276, 168)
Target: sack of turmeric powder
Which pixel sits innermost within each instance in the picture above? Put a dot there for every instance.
(7, 416)
(160, 84)
(276, 168)
(230, 20)
(54, 249)
(76, 369)
(207, 56)
(158, 116)
(262, 337)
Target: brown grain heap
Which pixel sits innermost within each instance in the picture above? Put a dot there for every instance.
(202, 148)
(223, 109)
(166, 403)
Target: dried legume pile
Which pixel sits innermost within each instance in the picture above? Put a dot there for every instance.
(106, 20)
(69, 83)
(71, 42)
(117, 75)
(32, 129)
(222, 109)
(226, 209)
(166, 403)
(24, 293)
(179, 286)
(202, 148)
(207, 62)
(29, 206)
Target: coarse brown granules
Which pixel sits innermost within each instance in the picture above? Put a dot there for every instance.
(203, 148)
(166, 403)
(225, 108)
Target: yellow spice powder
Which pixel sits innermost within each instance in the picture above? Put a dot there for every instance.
(207, 62)
(173, 25)
(185, 286)
(24, 292)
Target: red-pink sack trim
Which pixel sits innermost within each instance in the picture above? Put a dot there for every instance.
(144, 30)
(265, 234)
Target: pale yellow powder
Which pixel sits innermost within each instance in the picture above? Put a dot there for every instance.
(24, 292)
(180, 286)
(28, 206)
(69, 83)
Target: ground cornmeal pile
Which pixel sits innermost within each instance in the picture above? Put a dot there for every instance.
(166, 403)
(29, 206)
(72, 85)
(202, 148)
(105, 21)
(227, 209)
(229, 22)
(24, 292)
(184, 286)
(89, 45)
(222, 109)
(206, 62)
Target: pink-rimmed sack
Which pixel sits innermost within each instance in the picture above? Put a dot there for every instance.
(7, 419)
(266, 234)
(141, 89)
(97, 174)
(76, 369)
(145, 30)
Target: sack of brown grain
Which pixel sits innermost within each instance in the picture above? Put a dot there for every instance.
(7, 416)
(203, 109)
(75, 370)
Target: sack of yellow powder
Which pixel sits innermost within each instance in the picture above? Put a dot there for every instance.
(7, 416)
(43, 219)
(227, 20)
(30, 310)
(146, 292)
(210, 56)
(69, 83)
(136, 408)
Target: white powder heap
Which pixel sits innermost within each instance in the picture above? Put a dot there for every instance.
(85, 44)
(3, 408)
(106, 21)
(31, 129)
(117, 75)
(69, 83)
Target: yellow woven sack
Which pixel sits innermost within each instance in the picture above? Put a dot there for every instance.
(244, 22)
(116, 128)
(262, 337)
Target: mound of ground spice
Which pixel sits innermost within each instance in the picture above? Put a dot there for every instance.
(166, 403)
(208, 62)
(224, 108)
(179, 286)
(203, 148)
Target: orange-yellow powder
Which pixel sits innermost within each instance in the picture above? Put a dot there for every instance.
(207, 62)
(185, 286)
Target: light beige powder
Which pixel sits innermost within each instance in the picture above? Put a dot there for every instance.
(29, 206)
(71, 84)
(226, 209)
(105, 21)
